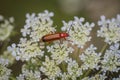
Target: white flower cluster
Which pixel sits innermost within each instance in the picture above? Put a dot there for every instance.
(50, 69)
(29, 75)
(78, 30)
(73, 70)
(25, 50)
(4, 71)
(38, 25)
(56, 62)
(109, 29)
(90, 58)
(111, 59)
(60, 52)
(6, 27)
(8, 56)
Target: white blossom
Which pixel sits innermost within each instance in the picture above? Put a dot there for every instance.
(8, 57)
(109, 29)
(90, 58)
(6, 28)
(1, 18)
(60, 51)
(50, 69)
(25, 50)
(111, 59)
(65, 76)
(29, 75)
(78, 30)
(38, 25)
(4, 71)
(73, 69)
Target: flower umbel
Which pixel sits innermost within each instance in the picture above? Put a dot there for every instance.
(29, 75)
(79, 33)
(4, 71)
(50, 69)
(90, 58)
(60, 52)
(111, 59)
(6, 28)
(60, 60)
(109, 29)
(38, 25)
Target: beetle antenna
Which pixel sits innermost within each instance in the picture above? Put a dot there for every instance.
(69, 28)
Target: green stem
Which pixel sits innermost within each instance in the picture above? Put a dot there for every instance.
(104, 47)
(87, 73)
(12, 78)
(63, 67)
(5, 44)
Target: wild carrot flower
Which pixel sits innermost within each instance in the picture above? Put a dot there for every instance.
(73, 69)
(50, 69)
(90, 58)
(60, 51)
(109, 29)
(54, 62)
(8, 56)
(38, 25)
(29, 75)
(79, 31)
(25, 50)
(4, 71)
(6, 27)
(111, 59)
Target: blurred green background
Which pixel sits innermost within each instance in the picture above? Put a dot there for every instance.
(63, 10)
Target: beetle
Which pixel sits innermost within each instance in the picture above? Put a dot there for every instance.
(54, 36)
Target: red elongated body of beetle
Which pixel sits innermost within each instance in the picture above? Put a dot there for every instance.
(54, 36)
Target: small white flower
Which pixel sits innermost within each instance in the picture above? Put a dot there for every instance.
(38, 25)
(5, 29)
(73, 69)
(25, 31)
(12, 49)
(1, 18)
(60, 52)
(25, 50)
(29, 75)
(111, 59)
(79, 32)
(4, 71)
(3, 61)
(11, 19)
(90, 58)
(109, 29)
(8, 57)
(65, 76)
(50, 69)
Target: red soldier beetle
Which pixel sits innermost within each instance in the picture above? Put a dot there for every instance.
(54, 36)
